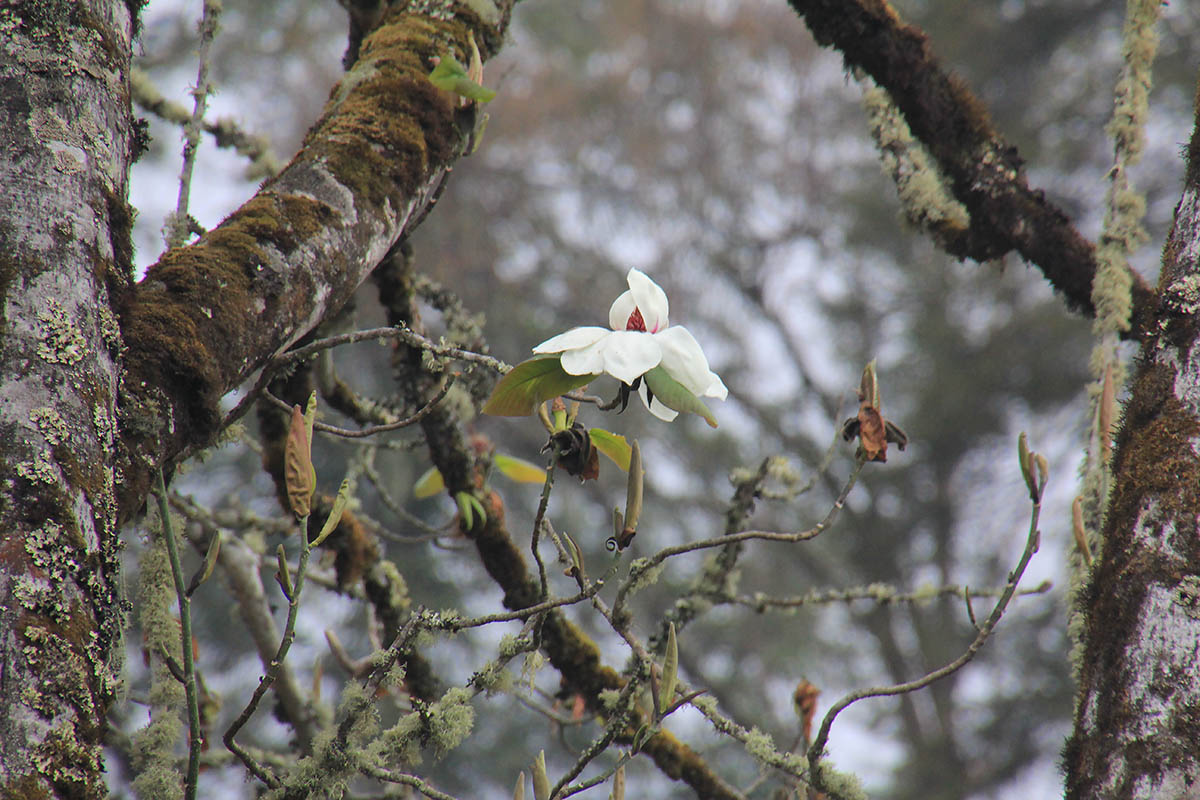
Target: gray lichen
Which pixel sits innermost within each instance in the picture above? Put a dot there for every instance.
(62, 343)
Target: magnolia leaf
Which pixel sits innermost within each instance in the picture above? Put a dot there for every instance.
(675, 396)
(429, 484)
(1025, 458)
(206, 569)
(575, 552)
(282, 576)
(531, 382)
(642, 735)
(541, 781)
(612, 445)
(633, 490)
(868, 387)
(666, 692)
(300, 478)
(465, 509)
(518, 469)
(451, 76)
(310, 415)
(618, 788)
(335, 513)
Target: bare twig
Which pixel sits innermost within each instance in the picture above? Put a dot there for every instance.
(880, 593)
(541, 515)
(723, 541)
(224, 131)
(401, 332)
(361, 433)
(177, 225)
(195, 734)
(388, 776)
(816, 751)
(285, 644)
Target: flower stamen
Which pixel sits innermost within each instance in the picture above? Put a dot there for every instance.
(636, 322)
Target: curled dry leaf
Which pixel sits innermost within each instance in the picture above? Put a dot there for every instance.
(804, 699)
(873, 431)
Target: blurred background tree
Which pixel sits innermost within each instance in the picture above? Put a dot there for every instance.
(718, 148)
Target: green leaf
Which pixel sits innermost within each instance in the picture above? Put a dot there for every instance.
(674, 395)
(666, 692)
(518, 469)
(470, 509)
(452, 77)
(206, 569)
(541, 781)
(612, 445)
(465, 509)
(531, 382)
(335, 514)
(429, 484)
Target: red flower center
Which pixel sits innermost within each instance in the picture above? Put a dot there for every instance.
(636, 323)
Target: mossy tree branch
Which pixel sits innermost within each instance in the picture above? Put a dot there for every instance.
(983, 171)
(209, 314)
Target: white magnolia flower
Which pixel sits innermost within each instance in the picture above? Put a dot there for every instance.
(639, 341)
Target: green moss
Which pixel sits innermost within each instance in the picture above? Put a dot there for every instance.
(120, 236)
(154, 744)
(49, 20)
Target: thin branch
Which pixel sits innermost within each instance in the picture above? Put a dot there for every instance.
(177, 225)
(551, 463)
(401, 332)
(195, 733)
(455, 624)
(226, 132)
(788, 763)
(817, 750)
(388, 776)
(361, 433)
(723, 541)
(597, 746)
(289, 635)
(881, 593)
(399, 510)
(242, 568)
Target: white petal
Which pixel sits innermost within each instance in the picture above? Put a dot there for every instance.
(684, 360)
(656, 408)
(650, 298)
(629, 354)
(584, 360)
(571, 340)
(717, 388)
(620, 311)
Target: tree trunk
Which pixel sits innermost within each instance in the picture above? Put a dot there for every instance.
(1137, 720)
(64, 251)
(204, 319)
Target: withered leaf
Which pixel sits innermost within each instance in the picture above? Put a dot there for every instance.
(872, 433)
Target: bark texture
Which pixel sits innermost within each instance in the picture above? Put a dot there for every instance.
(64, 248)
(1138, 717)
